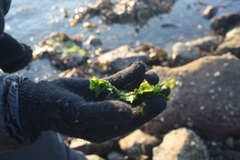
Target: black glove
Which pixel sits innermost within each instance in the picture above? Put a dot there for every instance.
(14, 55)
(69, 107)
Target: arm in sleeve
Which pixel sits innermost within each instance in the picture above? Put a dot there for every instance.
(13, 55)
(12, 136)
(4, 8)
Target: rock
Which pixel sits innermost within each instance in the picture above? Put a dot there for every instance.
(183, 53)
(119, 59)
(93, 41)
(209, 12)
(89, 25)
(157, 56)
(231, 154)
(205, 98)
(138, 144)
(229, 141)
(124, 11)
(71, 73)
(233, 34)
(231, 43)
(100, 149)
(223, 23)
(94, 157)
(115, 156)
(206, 44)
(237, 144)
(64, 52)
(181, 144)
(232, 47)
(215, 149)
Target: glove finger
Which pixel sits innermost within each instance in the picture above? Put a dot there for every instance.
(166, 92)
(151, 77)
(141, 115)
(129, 78)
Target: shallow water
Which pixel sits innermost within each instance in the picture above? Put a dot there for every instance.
(31, 21)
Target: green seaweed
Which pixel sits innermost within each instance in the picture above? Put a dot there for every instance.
(142, 93)
(73, 48)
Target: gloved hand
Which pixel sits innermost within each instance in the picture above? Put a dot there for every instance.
(69, 107)
(14, 55)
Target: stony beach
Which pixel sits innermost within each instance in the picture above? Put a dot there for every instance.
(202, 122)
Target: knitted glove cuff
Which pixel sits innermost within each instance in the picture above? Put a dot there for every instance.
(33, 106)
(16, 135)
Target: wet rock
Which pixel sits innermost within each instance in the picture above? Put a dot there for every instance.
(206, 44)
(100, 149)
(231, 43)
(231, 154)
(138, 144)
(65, 12)
(223, 23)
(115, 156)
(94, 157)
(233, 34)
(215, 149)
(183, 53)
(229, 141)
(119, 59)
(89, 25)
(70, 73)
(157, 56)
(63, 51)
(205, 98)
(237, 144)
(93, 41)
(124, 11)
(209, 12)
(181, 144)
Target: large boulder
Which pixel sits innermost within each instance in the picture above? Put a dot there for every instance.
(205, 98)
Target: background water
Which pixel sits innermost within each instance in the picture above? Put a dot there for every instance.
(30, 21)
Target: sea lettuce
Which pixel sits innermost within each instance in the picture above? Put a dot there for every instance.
(142, 93)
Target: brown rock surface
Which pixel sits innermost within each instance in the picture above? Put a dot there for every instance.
(205, 98)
